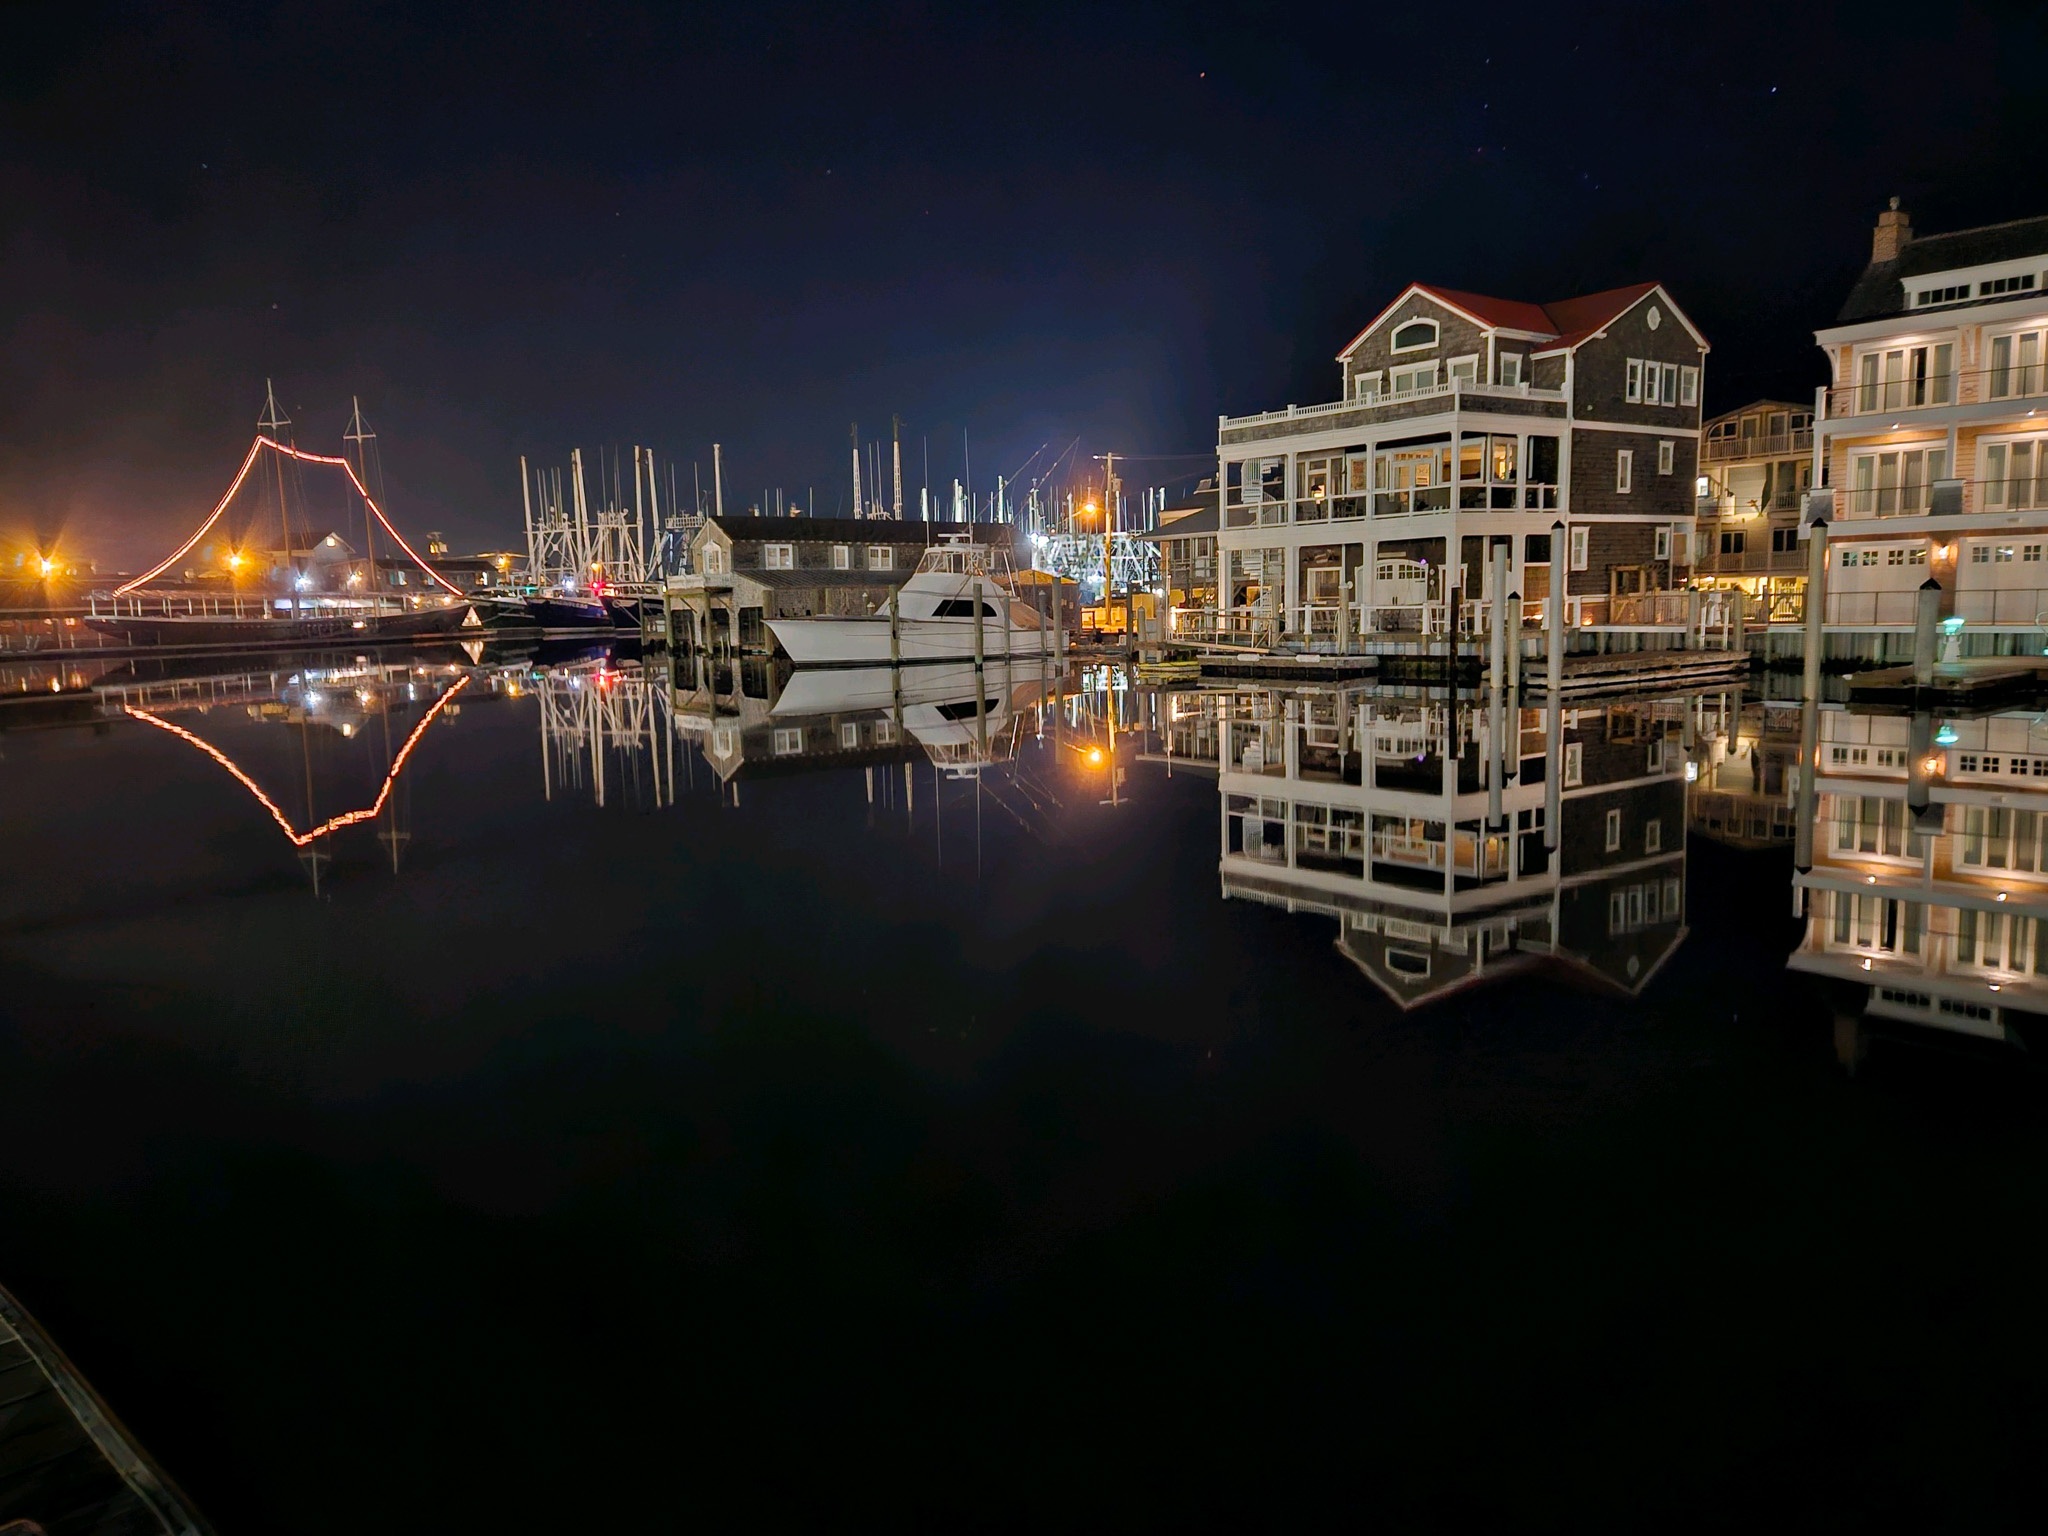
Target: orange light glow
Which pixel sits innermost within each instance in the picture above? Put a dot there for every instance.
(333, 823)
(1095, 755)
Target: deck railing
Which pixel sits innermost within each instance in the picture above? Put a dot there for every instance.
(2018, 381)
(1759, 446)
(1279, 511)
(1449, 388)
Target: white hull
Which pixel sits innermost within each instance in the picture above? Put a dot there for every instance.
(858, 690)
(865, 642)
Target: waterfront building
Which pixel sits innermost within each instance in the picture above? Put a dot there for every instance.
(1928, 896)
(1745, 771)
(1756, 465)
(1186, 536)
(1466, 424)
(1931, 442)
(1373, 807)
(747, 570)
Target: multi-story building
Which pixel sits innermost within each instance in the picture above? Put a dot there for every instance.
(1373, 808)
(1934, 916)
(1756, 465)
(744, 571)
(1186, 536)
(1465, 424)
(1932, 440)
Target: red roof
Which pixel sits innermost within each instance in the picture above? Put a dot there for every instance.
(1576, 319)
(1504, 314)
(1567, 321)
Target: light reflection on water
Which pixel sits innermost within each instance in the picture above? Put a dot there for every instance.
(719, 1015)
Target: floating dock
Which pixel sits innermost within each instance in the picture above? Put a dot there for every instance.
(1958, 687)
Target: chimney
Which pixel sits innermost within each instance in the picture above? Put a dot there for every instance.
(1893, 234)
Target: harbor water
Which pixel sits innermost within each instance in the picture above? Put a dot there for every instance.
(467, 1092)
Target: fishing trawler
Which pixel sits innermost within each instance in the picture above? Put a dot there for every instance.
(309, 589)
(958, 605)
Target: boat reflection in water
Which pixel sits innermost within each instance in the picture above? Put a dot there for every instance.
(1428, 842)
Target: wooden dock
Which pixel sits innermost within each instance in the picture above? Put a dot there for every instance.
(1959, 687)
(65, 1462)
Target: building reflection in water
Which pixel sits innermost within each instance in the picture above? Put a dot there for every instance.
(1380, 809)
(1926, 895)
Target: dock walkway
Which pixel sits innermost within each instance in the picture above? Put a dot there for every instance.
(67, 1468)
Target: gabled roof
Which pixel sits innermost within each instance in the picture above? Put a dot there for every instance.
(1881, 290)
(1559, 325)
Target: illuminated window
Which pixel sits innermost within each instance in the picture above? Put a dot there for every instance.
(778, 557)
(842, 557)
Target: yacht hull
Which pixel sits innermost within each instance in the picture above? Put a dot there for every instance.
(865, 642)
(259, 634)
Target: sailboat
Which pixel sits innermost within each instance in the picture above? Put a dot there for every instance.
(956, 606)
(304, 592)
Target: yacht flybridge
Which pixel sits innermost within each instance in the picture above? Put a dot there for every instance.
(958, 604)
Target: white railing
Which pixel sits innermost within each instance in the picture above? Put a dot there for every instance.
(1757, 446)
(1395, 397)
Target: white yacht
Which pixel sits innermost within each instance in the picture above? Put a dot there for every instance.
(935, 618)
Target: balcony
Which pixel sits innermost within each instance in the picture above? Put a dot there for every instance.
(1389, 406)
(1279, 512)
(2019, 382)
(1773, 446)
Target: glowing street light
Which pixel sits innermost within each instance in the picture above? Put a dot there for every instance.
(46, 565)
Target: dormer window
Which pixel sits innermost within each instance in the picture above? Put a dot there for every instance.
(1950, 295)
(2022, 284)
(1414, 335)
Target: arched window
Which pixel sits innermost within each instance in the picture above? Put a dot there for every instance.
(1414, 335)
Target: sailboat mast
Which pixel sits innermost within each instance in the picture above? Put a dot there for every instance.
(360, 435)
(858, 509)
(896, 450)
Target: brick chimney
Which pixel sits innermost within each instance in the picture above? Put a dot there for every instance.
(1893, 234)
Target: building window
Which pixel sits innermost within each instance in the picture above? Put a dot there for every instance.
(1653, 836)
(714, 559)
(1412, 381)
(1784, 541)
(1667, 452)
(1579, 548)
(2016, 474)
(1734, 541)
(1511, 369)
(885, 731)
(1663, 544)
(1366, 386)
(1464, 372)
(1688, 386)
(849, 736)
(881, 557)
(1903, 376)
(788, 739)
(1414, 335)
(1997, 285)
(778, 557)
(1634, 392)
(842, 557)
(1574, 763)
(1624, 469)
(1614, 831)
(1899, 481)
(1948, 295)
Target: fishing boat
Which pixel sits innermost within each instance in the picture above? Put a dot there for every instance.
(958, 604)
(308, 590)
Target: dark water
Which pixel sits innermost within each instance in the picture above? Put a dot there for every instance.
(809, 1152)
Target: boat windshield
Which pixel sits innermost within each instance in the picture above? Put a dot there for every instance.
(965, 560)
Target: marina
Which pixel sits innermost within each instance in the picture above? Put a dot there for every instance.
(1175, 770)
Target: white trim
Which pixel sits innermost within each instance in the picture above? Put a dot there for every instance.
(1624, 471)
(1646, 429)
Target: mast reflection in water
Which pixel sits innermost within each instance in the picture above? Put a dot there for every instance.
(678, 1054)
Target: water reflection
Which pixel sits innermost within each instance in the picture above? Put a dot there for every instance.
(1428, 827)
(1423, 829)
(1926, 900)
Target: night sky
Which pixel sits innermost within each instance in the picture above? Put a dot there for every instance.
(519, 228)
